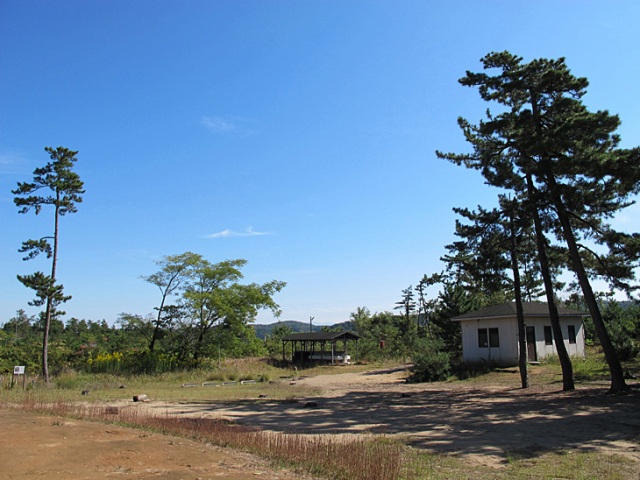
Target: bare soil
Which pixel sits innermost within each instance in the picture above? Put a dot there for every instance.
(483, 424)
(37, 446)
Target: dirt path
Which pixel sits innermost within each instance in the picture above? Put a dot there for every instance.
(483, 422)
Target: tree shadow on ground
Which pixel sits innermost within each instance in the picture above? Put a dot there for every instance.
(464, 421)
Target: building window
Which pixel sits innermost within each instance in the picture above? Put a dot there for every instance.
(572, 334)
(494, 338)
(488, 338)
(483, 339)
(548, 336)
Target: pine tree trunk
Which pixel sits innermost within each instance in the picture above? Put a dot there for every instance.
(563, 356)
(522, 339)
(618, 383)
(45, 342)
(49, 308)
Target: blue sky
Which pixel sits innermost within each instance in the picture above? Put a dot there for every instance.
(298, 135)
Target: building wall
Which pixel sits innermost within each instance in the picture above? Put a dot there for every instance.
(505, 353)
(544, 350)
(507, 333)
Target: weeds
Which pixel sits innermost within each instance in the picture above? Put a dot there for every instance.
(340, 457)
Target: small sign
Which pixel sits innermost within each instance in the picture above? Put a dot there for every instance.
(18, 370)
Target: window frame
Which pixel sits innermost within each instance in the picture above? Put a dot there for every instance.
(494, 334)
(483, 338)
(571, 333)
(488, 337)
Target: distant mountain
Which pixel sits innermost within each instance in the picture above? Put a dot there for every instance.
(348, 325)
(296, 327)
(262, 331)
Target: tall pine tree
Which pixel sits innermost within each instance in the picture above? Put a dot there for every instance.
(62, 189)
(566, 161)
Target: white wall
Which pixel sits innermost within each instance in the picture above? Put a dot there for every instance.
(507, 353)
(508, 334)
(574, 349)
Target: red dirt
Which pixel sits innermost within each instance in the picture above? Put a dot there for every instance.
(37, 446)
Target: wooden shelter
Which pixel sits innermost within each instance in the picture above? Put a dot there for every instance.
(320, 347)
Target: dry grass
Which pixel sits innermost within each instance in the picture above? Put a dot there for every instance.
(366, 457)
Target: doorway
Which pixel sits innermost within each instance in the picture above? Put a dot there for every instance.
(532, 355)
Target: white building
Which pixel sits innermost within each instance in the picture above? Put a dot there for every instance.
(491, 334)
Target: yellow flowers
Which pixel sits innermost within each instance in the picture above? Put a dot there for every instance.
(105, 362)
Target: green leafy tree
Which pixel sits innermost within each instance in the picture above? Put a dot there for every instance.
(425, 307)
(64, 190)
(381, 335)
(274, 342)
(547, 147)
(19, 343)
(142, 328)
(174, 271)
(213, 296)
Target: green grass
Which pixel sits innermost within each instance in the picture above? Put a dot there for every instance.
(559, 465)
(589, 370)
(171, 387)
(270, 382)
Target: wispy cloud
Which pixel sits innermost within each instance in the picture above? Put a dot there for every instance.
(225, 125)
(219, 124)
(11, 163)
(248, 232)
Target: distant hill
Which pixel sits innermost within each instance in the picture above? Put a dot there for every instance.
(348, 325)
(262, 331)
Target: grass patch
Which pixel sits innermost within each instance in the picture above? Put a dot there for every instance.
(521, 465)
(169, 387)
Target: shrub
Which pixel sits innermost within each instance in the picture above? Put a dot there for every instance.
(430, 366)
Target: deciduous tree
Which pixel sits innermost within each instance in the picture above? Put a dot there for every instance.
(174, 271)
(213, 296)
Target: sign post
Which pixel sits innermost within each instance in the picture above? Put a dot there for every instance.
(18, 370)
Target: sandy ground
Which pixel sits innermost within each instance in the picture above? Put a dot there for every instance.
(481, 424)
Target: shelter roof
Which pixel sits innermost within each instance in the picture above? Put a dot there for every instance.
(508, 310)
(322, 336)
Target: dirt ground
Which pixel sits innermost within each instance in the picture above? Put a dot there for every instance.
(36, 446)
(482, 424)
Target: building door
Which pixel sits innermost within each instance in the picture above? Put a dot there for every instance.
(532, 355)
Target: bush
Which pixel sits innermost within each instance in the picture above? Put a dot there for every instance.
(431, 366)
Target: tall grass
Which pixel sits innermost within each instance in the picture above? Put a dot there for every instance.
(590, 368)
(348, 457)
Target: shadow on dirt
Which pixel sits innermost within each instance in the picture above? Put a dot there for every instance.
(469, 421)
